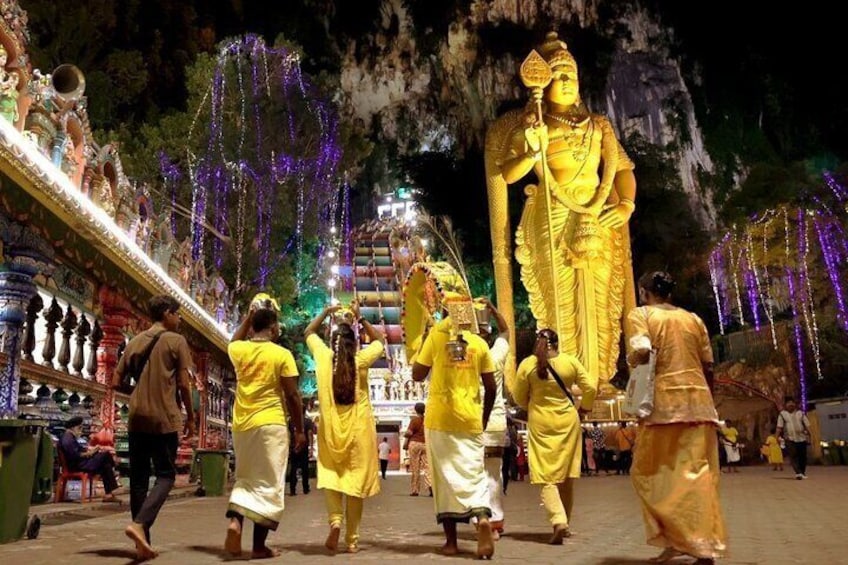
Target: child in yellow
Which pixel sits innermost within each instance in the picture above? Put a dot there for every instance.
(773, 452)
(347, 434)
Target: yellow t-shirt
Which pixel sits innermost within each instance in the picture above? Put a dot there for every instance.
(259, 393)
(454, 402)
(730, 434)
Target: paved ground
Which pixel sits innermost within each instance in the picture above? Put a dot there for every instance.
(771, 517)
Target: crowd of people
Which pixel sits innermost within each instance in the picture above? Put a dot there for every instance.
(463, 447)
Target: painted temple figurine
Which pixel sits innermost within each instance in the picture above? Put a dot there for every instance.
(8, 89)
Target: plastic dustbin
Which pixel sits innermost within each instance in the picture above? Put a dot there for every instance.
(842, 453)
(42, 486)
(19, 440)
(214, 465)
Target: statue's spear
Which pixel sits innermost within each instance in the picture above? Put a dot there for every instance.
(536, 75)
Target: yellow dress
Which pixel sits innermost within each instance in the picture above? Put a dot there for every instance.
(347, 435)
(554, 433)
(775, 454)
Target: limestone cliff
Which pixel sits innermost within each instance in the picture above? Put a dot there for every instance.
(434, 85)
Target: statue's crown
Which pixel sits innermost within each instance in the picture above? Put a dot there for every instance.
(556, 53)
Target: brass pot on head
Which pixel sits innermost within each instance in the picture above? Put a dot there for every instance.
(68, 82)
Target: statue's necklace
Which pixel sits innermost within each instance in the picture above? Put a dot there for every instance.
(572, 139)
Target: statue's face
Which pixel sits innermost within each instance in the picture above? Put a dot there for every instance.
(565, 87)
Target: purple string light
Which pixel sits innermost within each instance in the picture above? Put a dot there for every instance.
(753, 301)
(799, 347)
(831, 264)
(838, 190)
(267, 166)
(172, 175)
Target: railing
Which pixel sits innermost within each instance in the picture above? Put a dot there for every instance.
(59, 361)
(59, 366)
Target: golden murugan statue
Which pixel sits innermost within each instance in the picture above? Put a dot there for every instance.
(572, 242)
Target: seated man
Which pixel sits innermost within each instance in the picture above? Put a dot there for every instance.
(93, 461)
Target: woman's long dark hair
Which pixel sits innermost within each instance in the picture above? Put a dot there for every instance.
(545, 340)
(344, 365)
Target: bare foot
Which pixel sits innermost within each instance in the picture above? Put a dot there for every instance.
(111, 498)
(264, 553)
(485, 541)
(143, 550)
(449, 550)
(232, 544)
(496, 535)
(667, 555)
(560, 532)
(332, 542)
(353, 548)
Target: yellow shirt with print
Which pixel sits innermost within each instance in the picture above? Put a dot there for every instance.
(259, 393)
(454, 403)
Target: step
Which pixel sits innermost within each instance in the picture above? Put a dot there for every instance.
(381, 298)
(371, 271)
(379, 261)
(385, 314)
(371, 283)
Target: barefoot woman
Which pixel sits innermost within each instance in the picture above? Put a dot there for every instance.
(347, 436)
(266, 374)
(675, 468)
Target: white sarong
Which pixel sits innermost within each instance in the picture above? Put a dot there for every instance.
(261, 457)
(458, 476)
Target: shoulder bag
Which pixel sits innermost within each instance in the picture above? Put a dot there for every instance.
(134, 371)
(639, 396)
(561, 385)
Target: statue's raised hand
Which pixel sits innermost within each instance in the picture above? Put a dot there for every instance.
(536, 138)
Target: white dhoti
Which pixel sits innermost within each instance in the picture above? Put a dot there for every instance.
(458, 476)
(261, 457)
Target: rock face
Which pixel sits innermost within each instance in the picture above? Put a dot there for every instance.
(426, 87)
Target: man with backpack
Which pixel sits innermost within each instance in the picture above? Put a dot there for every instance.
(159, 359)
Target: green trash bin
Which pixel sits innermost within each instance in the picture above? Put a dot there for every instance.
(42, 486)
(19, 440)
(842, 451)
(214, 464)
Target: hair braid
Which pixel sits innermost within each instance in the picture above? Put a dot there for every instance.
(344, 365)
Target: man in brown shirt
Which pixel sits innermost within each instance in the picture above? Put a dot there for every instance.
(155, 419)
(417, 449)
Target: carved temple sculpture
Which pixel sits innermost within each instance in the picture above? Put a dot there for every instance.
(572, 242)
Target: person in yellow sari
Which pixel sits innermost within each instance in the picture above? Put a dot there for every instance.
(542, 386)
(347, 434)
(675, 467)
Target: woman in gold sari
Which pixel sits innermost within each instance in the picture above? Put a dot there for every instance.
(675, 467)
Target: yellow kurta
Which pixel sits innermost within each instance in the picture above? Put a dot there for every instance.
(347, 435)
(553, 424)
